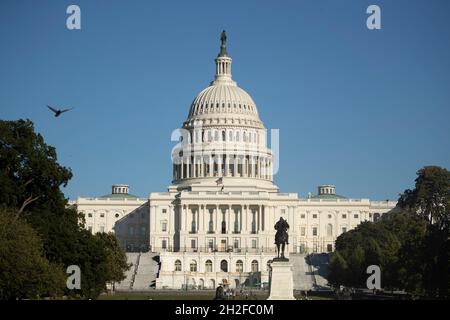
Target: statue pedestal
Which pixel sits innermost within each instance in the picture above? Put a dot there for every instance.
(281, 280)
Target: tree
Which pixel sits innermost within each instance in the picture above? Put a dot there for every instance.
(426, 269)
(117, 260)
(338, 270)
(30, 181)
(29, 172)
(356, 268)
(381, 243)
(431, 196)
(411, 244)
(25, 271)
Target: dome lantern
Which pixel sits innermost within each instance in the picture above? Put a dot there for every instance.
(223, 63)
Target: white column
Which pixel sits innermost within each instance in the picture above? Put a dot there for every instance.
(201, 167)
(188, 167)
(229, 224)
(219, 166)
(270, 169)
(198, 219)
(265, 168)
(211, 166)
(182, 168)
(185, 217)
(263, 220)
(241, 211)
(257, 167)
(246, 219)
(258, 219)
(217, 230)
(201, 226)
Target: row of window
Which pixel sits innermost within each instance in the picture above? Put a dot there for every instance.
(314, 230)
(205, 108)
(101, 229)
(223, 266)
(131, 215)
(221, 136)
(344, 216)
(234, 121)
(211, 244)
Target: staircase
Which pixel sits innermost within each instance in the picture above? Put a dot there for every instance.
(319, 269)
(302, 273)
(127, 283)
(146, 272)
(133, 278)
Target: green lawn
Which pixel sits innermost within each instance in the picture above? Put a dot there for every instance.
(181, 295)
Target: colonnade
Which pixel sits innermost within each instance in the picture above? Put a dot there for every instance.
(223, 166)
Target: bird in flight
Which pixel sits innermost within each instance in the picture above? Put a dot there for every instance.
(58, 112)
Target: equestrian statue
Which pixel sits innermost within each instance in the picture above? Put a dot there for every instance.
(281, 238)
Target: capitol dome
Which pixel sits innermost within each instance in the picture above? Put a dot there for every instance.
(223, 98)
(223, 139)
(223, 101)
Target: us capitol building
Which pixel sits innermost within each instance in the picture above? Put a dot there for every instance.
(216, 221)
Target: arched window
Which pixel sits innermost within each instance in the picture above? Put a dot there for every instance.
(208, 266)
(239, 266)
(216, 136)
(193, 266)
(224, 136)
(230, 136)
(237, 136)
(376, 216)
(329, 230)
(224, 266)
(177, 265)
(254, 266)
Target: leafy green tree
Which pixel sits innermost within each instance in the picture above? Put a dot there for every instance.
(25, 271)
(356, 268)
(411, 244)
(29, 173)
(117, 260)
(30, 181)
(426, 260)
(431, 196)
(338, 270)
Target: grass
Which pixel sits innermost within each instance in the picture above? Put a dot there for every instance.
(183, 295)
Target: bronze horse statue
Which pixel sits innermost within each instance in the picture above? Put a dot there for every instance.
(281, 237)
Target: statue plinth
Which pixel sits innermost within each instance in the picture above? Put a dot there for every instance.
(282, 259)
(281, 280)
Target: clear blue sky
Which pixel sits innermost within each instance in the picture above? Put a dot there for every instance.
(360, 109)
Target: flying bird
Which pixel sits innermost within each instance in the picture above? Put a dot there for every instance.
(58, 112)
